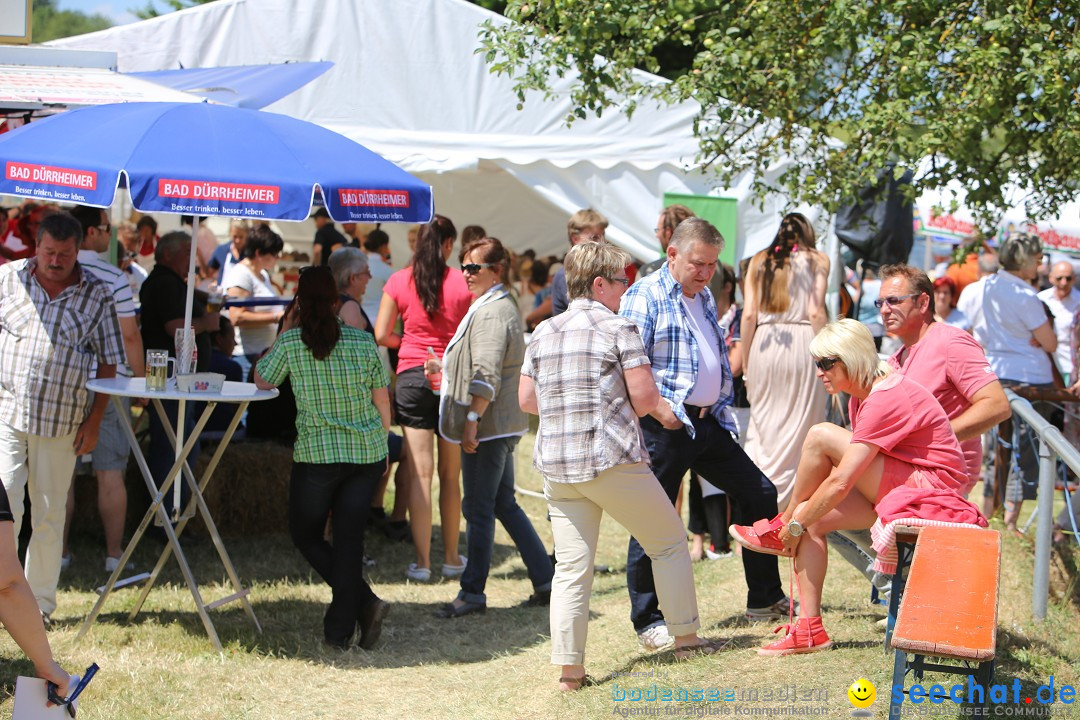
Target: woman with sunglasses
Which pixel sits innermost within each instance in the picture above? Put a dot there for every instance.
(479, 409)
(784, 309)
(342, 419)
(900, 436)
(431, 299)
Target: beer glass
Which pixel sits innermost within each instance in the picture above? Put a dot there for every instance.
(157, 369)
(215, 299)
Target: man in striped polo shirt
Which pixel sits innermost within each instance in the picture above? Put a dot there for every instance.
(109, 459)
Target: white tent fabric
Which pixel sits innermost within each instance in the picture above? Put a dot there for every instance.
(408, 84)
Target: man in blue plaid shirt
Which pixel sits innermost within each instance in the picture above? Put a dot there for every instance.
(692, 426)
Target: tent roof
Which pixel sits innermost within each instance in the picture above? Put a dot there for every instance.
(407, 82)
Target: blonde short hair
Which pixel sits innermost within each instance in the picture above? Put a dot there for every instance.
(588, 261)
(582, 219)
(851, 342)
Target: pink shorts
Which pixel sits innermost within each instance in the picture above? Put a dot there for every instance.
(897, 472)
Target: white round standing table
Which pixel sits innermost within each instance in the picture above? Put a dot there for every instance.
(239, 394)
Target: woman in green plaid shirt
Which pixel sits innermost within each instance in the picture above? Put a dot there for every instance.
(342, 418)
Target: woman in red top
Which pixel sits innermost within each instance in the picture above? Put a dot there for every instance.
(900, 436)
(431, 299)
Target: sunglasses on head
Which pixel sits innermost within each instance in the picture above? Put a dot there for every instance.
(473, 268)
(826, 364)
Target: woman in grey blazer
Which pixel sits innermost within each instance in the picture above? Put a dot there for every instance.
(479, 410)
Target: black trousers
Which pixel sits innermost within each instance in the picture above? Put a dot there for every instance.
(344, 489)
(714, 455)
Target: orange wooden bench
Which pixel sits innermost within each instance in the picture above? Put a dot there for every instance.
(949, 608)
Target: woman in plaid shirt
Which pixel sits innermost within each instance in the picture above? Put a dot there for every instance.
(342, 419)
(587, 376)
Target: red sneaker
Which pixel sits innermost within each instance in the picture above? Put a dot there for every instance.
(763, 536)
(807, 635)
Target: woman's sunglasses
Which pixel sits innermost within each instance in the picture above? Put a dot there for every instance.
(473, 268)
(826, 364)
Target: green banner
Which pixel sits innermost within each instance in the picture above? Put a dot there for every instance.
(720, 211)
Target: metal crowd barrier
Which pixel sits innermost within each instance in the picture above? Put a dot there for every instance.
(1052, 445)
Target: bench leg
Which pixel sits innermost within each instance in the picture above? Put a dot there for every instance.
(985, 677)
(904, 553)
(899, 673)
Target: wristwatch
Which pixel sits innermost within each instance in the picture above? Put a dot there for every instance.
(795, 528)
(472, 416)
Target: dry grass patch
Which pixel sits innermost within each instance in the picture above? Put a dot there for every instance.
(494, 665)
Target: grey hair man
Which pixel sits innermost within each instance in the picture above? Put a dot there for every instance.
(692, 425)
(164, 298)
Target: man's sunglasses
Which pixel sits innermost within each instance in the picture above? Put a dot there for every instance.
(893, 300)
(473, 268)
(826, 364)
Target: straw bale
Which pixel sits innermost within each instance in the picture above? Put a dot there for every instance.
(248, 494)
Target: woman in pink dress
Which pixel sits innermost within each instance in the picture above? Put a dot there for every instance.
(784, 309)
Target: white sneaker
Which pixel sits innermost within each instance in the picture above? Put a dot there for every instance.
(453, 571)
(713, 555)
(418, 574)
(655, 638)
(112, 562)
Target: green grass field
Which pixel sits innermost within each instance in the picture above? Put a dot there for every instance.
(494, 665)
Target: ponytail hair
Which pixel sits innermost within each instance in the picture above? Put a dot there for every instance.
(773, 269)
(429, 265)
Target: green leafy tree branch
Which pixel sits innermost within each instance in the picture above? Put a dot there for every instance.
(984, 92)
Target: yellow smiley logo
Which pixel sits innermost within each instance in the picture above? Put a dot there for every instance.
(862, 693)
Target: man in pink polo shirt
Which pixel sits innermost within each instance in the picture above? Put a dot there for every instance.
(945, 360)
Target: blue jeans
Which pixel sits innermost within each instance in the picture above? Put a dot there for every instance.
(715, 456)
(488, 480)
(345, 489)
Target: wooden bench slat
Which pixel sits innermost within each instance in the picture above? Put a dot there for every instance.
(949, 607)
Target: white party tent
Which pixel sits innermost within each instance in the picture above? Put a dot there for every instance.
(408, 84)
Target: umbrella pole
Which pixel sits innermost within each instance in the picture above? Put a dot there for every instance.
(177, 489)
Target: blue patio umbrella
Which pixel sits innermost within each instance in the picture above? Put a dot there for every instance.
(202, 159)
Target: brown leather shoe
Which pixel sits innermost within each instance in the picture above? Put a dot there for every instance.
(371, 622)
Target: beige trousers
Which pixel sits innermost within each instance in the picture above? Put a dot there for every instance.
(42, 466)
(634, 499)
